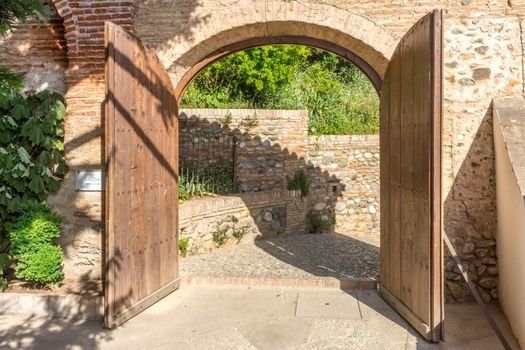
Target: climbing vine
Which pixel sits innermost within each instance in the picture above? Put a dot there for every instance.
(32, 160)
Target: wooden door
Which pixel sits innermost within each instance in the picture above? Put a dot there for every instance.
(141, 145)
(411, 270)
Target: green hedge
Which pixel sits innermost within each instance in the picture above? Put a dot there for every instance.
(32, 238)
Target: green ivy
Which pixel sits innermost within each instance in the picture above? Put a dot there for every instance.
(32, 160)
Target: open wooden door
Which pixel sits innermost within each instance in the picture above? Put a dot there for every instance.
(411, 265)
(141, 145)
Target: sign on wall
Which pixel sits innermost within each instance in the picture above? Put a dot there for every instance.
(89, 181)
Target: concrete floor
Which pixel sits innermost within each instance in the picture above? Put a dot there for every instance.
(221, 317)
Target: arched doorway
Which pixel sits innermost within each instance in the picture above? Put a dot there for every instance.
(141, 135)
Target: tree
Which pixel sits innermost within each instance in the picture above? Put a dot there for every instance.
(338, 96)
(14, 11)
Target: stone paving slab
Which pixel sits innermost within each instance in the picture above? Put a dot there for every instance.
(328, 260)
(225, 318)
(322, 305)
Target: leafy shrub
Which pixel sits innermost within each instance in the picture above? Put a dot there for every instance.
(340, 99)
(32, 238)
(239, 233)
(32, 160)
(319, 224)
(42, 265)
(183, 246)
(299, 181)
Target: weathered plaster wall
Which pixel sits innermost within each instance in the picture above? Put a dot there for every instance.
(183, 32)
(509, 142)
(38, 52)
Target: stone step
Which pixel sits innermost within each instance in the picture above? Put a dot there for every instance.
(314, 282)
(52, 305)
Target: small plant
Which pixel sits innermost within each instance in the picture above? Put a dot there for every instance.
(32, 235)
(250, 122)
(220, 236)
(319, 224)
(4, 260)
(299, 181)
(183, 246)
(226, 120)
(238, 233)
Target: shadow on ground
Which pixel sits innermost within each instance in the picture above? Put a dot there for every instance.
(325, 255)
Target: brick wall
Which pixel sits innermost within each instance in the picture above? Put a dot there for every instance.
(38, 52)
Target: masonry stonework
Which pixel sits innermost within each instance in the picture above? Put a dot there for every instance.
(485, 39)
(350, 190)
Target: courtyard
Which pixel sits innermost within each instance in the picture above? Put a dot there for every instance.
(256, 318)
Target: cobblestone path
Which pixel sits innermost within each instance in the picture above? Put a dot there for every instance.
(295, 257)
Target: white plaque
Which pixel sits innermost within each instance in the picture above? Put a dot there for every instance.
(89, 181)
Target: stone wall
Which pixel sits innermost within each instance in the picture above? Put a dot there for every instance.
(343, 170)
(263, 214)
(182, 33)
(269, 143)
(350, 189)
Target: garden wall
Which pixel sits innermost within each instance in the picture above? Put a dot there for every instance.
(343, 170)
(350, 189)
(210, 222)
(269, 143)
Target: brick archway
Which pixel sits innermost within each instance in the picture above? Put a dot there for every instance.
(249, 24)
(192, 73)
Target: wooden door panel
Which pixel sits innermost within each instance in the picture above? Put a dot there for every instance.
(142, 189)
(411, 273)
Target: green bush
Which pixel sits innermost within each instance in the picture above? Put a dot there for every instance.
(32, 237)
(340, 99)
(42, 265)
(299, 181)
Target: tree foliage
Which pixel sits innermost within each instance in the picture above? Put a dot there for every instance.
(13, 11)
(339, 97)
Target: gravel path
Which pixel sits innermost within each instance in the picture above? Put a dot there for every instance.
(294, 257)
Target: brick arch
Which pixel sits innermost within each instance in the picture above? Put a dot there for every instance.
(70, 24)
(332, 28)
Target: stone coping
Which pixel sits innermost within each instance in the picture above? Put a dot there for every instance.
(210, 206)
(509, 116)
(337, 139)
(52, 305)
